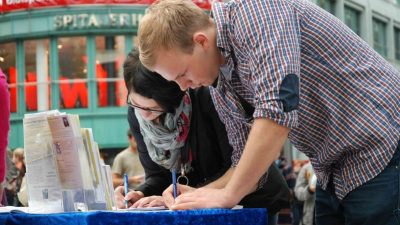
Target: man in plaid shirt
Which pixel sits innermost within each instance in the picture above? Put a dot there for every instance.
(308, 77)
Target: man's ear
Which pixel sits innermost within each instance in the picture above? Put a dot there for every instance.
(202, 39)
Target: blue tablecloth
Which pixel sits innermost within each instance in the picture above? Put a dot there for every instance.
(192, 217)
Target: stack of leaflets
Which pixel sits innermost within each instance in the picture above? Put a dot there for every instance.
(63, 166)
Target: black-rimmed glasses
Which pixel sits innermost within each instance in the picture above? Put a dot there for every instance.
(130, 104)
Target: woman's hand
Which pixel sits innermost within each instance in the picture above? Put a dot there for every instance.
(131, 197)
(151, 201)
(169, 196)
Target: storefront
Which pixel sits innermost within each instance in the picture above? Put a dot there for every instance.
(68, 55)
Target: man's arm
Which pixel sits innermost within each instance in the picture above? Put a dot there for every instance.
(221, 181)
(119, 181)
(263, 146)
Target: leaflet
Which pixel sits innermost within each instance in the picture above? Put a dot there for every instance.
(41, 170)
(66, 151)
(37, 136)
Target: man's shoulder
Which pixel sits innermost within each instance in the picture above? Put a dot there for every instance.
(123, 153)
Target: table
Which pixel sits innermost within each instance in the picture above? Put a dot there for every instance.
(185, 217)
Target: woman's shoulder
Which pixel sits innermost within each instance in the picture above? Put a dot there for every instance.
(200, 91)
(201, 96)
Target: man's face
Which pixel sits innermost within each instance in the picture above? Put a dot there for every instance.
(200, 68)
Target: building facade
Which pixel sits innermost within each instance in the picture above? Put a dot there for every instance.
(375, 21)
(68, 55)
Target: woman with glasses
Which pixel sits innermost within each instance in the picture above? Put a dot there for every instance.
(181, 131)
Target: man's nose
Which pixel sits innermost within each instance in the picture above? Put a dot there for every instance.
(183, 84)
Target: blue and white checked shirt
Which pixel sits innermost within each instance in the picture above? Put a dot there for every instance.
(303, 68)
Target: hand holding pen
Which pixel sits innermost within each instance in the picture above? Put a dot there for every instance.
(132, 197)
(168, 193)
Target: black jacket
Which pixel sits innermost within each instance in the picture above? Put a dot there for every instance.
(211, 157)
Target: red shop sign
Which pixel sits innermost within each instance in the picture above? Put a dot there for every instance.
(13, 5)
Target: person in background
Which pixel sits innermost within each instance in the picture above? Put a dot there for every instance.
(305, 191)
(181, 130)
(309, 77)
(127, 161)
(290, 176)
(4, 129)
(21, 190)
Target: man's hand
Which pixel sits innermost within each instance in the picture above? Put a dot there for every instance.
(131, 197)
(203, 198)
(169, 196)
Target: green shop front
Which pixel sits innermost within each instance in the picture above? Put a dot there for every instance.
(69, 56)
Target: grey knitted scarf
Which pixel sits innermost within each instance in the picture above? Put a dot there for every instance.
(164, 141)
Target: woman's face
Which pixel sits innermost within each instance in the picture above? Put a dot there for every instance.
(147, 107)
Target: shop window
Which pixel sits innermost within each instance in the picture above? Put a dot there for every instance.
(72, 72)
(352, 19)
(110, 56)
(397, 43)
(328, 5)
(37, 78)
(379, 32)
(8, 66)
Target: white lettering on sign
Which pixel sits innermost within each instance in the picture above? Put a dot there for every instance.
(96, 21)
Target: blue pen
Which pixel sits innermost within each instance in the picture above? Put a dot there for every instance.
(126, 188)
(174, 182)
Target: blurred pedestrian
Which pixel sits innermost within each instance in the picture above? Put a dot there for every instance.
(128, 162)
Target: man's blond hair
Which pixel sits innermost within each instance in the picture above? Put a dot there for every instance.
(169, 24)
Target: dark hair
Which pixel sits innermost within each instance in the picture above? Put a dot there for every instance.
(151, 84)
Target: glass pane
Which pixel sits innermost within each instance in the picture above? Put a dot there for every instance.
(73, 72)
(37, 79)
(110, 56)
(7, 65)
(397, 43)
(379, 29)
(352, 19)
(328, 5)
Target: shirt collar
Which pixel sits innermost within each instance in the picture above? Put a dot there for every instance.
(219, 15)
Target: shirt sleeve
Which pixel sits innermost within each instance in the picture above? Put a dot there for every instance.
(271, 41)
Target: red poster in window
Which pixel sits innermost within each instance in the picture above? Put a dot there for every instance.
(102, 91)
(31, 92)
(13, 90)
(73, 92)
